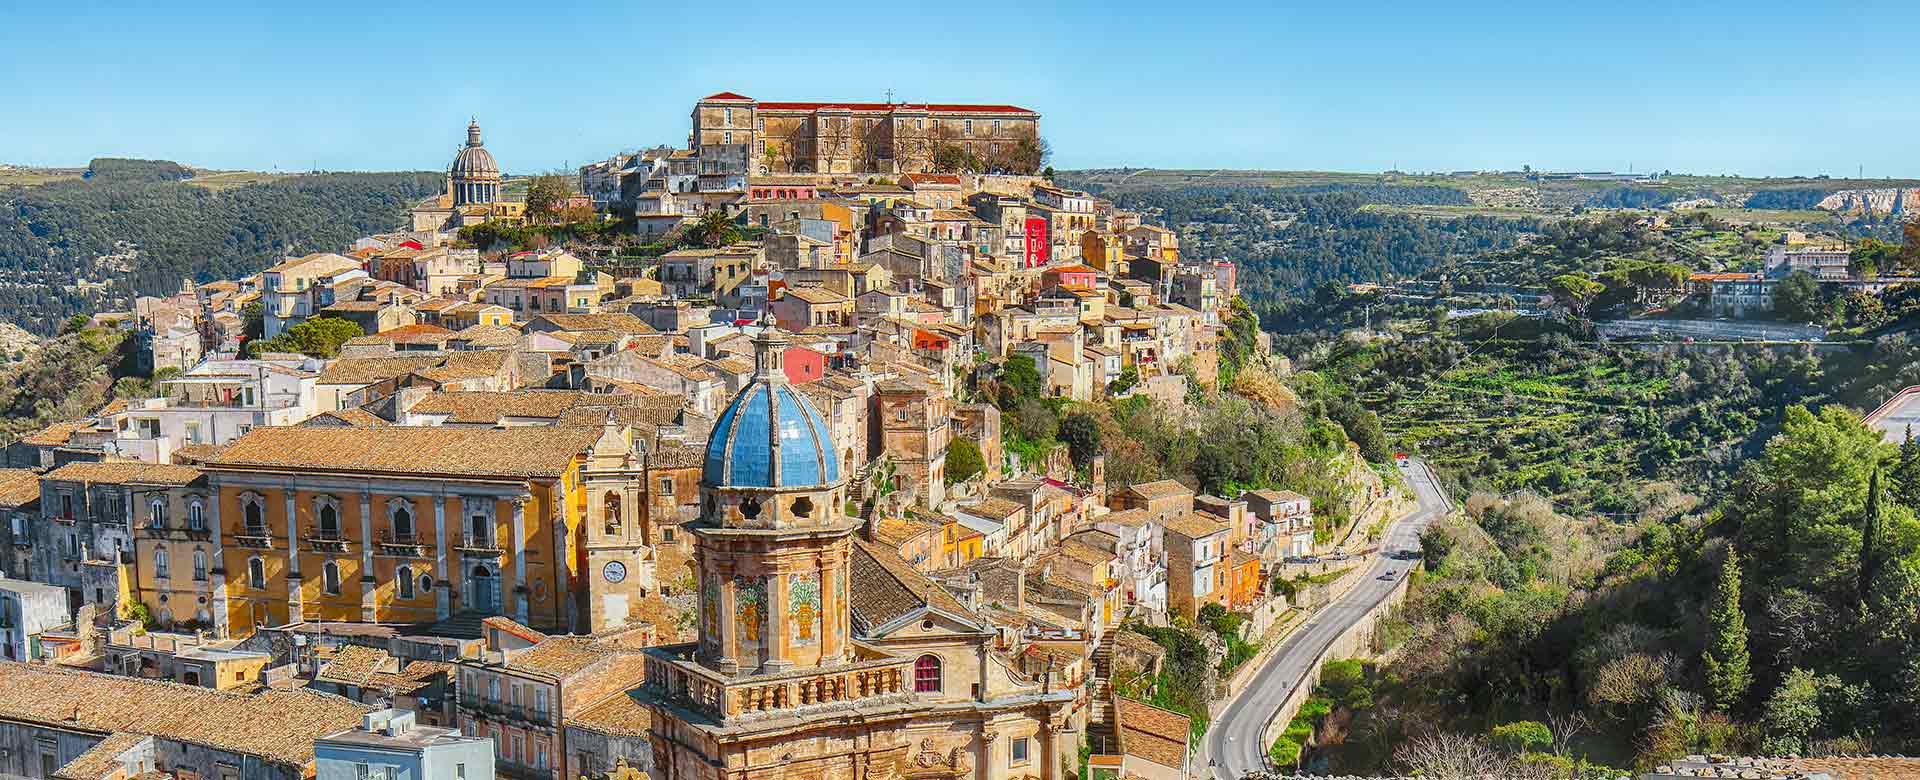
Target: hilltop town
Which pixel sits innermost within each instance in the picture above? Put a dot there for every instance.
(748, 501)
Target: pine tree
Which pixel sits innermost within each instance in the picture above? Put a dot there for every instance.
(1869, 539)
(1725, 657)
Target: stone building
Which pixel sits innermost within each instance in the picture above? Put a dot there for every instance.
(412, 524)
(524, 686)
(737, 135)
(75, 725)
(821, 655)
(913, 422)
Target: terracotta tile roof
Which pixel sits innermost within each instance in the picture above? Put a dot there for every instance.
(363, 667)
(1137, 642)
(529, 451)
(1194, 525)
(366, 371)
(1165, 488)
(488, 336)
(938, 108)
(885, 588)
(816, 295)
(489, 407)
(1148, 732)
(349, 418)
(620, 715)
(101, 759)
(560, 656)
(618, 323)
(1857, 767)
(278, 726)
(56, 434)
(479, 364)
(1130, 518)
(996, 508)
(125, 472)
(19, 487)
(895, 531)
(1084, 553)
(417, 333)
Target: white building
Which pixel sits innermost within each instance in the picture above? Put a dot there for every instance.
(216, 402)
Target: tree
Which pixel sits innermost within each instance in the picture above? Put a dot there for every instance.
(546, 196)
(1725, 657)
(715, 229)
(1798, 298)
(1023, 378)
(1129, 377)
(320, 337)
(1364, 429)
(1869, 538)
(1443, 756)
(1906, 476)
(1575, 292)
(1522, 736)
(963, 461)
(1082, 434)
(1792, 714)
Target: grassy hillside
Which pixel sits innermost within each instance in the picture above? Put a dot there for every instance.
(131, 227)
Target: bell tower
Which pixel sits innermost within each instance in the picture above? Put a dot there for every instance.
(772, 543)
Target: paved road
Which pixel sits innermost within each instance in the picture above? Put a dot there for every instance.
(1234, 740)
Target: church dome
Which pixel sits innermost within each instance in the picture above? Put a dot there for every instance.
(744, 451)
(474, 161)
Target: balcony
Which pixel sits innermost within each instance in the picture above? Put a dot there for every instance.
(407, 545)
(157, 530)
(323, 539)
(254, 536)
(478, 545)
(873, 677)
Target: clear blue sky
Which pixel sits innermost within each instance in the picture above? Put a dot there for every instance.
(1758, 88)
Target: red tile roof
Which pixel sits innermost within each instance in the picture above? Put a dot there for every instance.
(949, 108)
(726, 96)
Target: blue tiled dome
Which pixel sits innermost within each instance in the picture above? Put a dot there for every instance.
(740, 454)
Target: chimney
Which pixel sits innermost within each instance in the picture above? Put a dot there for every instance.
(1020, 590)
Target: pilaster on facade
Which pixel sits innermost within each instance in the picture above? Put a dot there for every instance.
(520, 558)
(442, 585)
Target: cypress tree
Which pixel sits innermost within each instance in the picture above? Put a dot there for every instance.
(1906, 476)
(1869, 539)
(1725, 657)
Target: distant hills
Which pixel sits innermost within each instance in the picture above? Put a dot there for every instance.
(74, 243)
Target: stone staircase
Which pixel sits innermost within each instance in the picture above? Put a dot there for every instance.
(1100, 725)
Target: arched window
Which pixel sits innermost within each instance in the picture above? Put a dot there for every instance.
(402, 523)
(199, 566)
(257, 573)
(160, 563)
(404, 582)
(197, 515)
(256, 519)
(926, 674)
(158, 512)
(329, 520)
(611, 511)
(480, 531)
(330, 578)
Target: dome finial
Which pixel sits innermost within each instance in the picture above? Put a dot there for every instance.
(768, 349)
(473, 131)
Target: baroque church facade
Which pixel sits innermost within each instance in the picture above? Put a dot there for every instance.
(821, 655)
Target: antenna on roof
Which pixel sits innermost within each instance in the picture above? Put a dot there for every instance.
(889, 97)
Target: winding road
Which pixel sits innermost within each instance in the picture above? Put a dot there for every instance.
(1234, 741)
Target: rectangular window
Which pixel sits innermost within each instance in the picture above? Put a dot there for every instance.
(1020, 751)
(967, 127)
(726, 116)
(726, 138)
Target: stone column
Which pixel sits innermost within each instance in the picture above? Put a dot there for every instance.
(520, 558)
(1049, 740)
(992, 766)
(369, 584)
(441, 601)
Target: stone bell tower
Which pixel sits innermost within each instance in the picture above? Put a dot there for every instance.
(772, 542)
